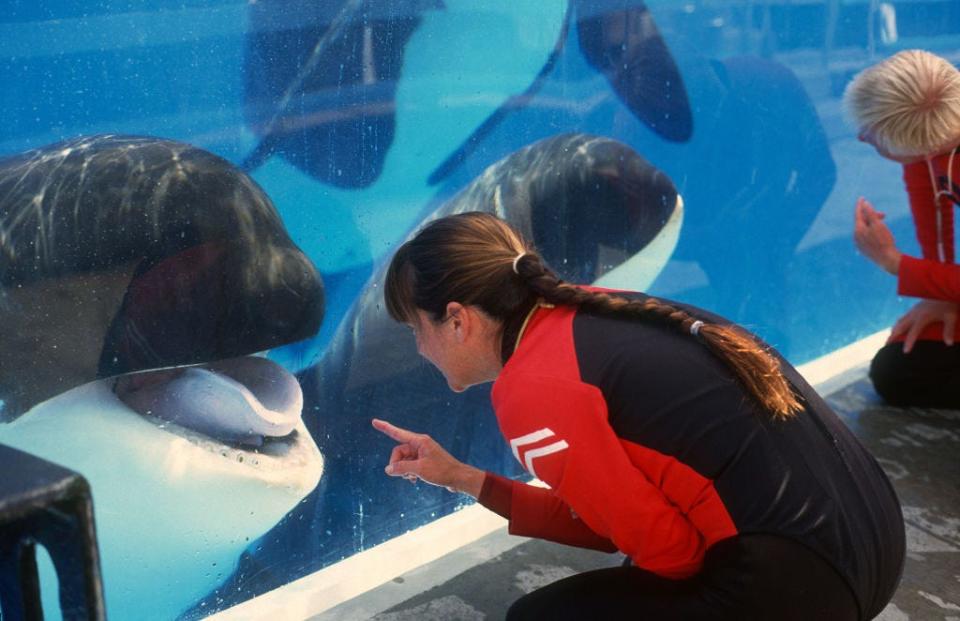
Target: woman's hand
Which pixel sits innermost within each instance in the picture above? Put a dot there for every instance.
(922, 315)
(418, 456)
(873, 237)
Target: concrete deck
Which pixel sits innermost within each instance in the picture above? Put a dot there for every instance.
(919, 449)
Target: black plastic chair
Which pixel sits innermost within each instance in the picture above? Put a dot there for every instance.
(42, 503)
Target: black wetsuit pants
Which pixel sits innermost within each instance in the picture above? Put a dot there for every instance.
(927, 377)
(744, 578)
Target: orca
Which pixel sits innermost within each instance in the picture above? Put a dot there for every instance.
(140, 280)
(739, 135)
(591, 205)
(752, 156)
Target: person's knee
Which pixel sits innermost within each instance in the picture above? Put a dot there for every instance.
(884, 375)
(894, 376)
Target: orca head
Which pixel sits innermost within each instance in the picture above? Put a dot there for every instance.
(130, 253)
(605, 207)
(218, 300)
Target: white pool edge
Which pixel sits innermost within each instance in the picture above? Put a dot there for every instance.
(331, 586)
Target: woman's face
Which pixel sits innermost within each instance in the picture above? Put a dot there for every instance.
(438, 342)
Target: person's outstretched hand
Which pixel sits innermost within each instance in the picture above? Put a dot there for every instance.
(922, 315)
(418, 456)
(873, 237)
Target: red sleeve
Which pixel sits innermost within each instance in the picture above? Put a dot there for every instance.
(558, 430)
(926, 278)
(537, 512)
(496, 494)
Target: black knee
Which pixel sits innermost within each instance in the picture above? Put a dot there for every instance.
(892, 375)
(928, 376)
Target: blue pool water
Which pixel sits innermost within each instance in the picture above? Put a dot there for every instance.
(360, 118)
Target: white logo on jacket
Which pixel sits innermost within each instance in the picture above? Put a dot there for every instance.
(532, 438)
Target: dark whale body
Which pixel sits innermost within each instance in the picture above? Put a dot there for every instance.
(127, 253)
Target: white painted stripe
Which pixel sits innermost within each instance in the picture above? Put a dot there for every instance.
(351, 577)
(530, 438)
(549, 449)
(837, 362)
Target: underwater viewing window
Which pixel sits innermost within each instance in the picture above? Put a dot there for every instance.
(198, 201)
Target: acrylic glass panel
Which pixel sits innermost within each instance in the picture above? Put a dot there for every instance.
(199, 198)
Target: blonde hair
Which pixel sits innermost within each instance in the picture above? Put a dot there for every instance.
(476, 258)
(910, 101)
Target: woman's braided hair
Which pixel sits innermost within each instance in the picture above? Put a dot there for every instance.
(471, 258)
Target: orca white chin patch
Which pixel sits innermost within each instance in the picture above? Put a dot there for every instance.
(174, 504)
(639, 271)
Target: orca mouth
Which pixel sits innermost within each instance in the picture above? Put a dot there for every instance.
(247, 409)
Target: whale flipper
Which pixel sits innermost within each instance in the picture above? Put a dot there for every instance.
(626, 47)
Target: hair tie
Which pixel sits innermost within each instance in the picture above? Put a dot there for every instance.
(695, 327)
(516, 261)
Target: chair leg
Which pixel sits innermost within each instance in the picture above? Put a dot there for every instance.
(19, 582)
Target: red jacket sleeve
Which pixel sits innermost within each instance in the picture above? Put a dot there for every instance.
(558, 430)
(926, 278)
(537, 512)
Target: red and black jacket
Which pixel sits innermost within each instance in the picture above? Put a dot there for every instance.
(933, 189)
(651, 446)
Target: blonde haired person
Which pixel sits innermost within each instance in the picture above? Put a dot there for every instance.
(908, 108)
(663, 431)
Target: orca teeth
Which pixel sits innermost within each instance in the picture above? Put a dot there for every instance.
(274, 454)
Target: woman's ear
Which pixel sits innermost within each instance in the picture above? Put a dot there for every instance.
(458, 315)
